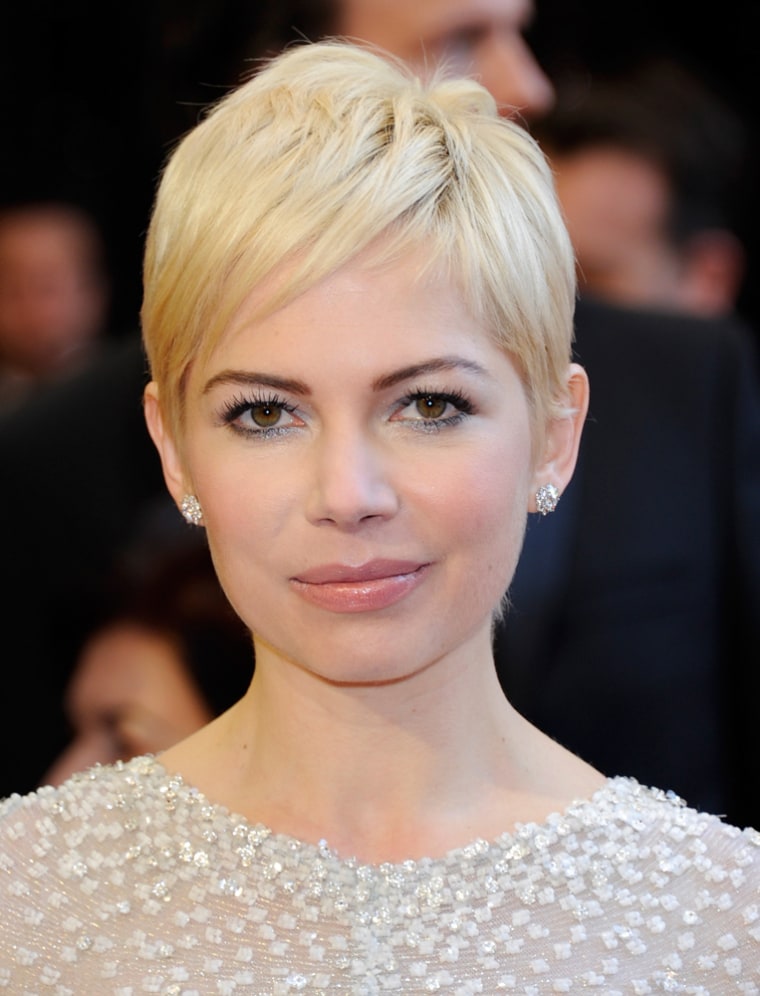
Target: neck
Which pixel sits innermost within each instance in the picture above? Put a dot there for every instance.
(381, 772)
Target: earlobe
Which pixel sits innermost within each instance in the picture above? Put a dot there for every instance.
(171, 463)
(563, 436)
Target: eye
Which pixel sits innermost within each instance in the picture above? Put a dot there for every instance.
(462, 41)
(259, 416)
(266, 415)
(431, 405)
(433, 409)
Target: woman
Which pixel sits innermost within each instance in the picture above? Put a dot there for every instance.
(167, 655)
(358, 311)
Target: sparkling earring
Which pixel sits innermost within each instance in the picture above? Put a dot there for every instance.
(191, 509)
(547, 498)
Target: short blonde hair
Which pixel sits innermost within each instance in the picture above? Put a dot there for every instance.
(327, 148)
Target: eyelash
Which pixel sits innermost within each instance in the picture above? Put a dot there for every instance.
(463, 405)
(237, 406)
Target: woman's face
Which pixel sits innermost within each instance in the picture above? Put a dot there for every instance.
(131, 693)
(363, 461)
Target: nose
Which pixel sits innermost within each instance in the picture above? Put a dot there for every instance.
(508, 68)
(350, 482)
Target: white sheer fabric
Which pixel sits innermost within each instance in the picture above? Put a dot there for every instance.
(126, 881)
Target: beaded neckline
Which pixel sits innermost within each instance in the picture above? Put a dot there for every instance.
(619, 796)
(627, 889)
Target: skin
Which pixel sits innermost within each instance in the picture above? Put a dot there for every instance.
(483, 38)
(129, 695)
(377, 725)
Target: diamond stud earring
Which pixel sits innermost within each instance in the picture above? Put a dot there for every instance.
(191, 509)
(547, 498)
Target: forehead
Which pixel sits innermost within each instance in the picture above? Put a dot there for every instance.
(367, 314)
(38, 235)
(591, 180)
(402, 27)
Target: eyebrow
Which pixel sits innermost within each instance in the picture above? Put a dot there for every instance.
(428, 366)
(245, 378)
(291, 385)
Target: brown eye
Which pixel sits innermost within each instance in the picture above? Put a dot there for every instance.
(431, 406)
(266, 416)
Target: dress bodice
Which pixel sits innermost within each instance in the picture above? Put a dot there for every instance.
(126, 880)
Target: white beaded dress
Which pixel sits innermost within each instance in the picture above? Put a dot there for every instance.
(125, 881)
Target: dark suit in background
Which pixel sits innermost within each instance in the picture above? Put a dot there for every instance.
(634, 633)
(634, 637)
(78, 475)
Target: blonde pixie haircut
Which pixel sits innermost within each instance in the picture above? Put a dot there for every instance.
(324, 150)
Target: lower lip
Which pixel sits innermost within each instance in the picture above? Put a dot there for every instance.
(360, 596)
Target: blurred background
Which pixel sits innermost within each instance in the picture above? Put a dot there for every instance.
(93, 98)
(715, 43)
(93, 95)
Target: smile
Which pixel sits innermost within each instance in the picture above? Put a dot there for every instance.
(369, 587)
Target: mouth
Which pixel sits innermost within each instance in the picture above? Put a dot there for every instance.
(364, 588)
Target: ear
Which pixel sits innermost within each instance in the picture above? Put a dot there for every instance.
(174, 473)
(556, 463)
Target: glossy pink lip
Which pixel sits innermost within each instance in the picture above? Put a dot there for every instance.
(374, 585)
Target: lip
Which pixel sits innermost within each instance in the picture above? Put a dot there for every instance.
(362, 588)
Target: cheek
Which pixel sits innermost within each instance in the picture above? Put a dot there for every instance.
(246, 520)
(482, 511)
(499, 525)
(242, 498)
(467, 506)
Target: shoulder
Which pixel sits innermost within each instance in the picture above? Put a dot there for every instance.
(662, 833)
(115, 378)
(670, 870)
(604, 329)
(696, 376)
(67, 853)
(100, 802)
(89, 428)
(74, 861)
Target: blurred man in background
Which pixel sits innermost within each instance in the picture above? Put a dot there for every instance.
(54, 294)
(651, 169)
(636, 607)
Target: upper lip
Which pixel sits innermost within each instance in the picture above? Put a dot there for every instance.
(347, 573)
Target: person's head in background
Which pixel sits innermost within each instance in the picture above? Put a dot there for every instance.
(168, 655)
(54, 289)
(649, 167)
(483, 38)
